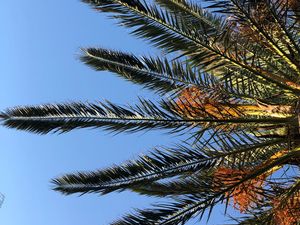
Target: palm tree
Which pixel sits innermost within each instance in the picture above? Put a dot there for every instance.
(230, 82)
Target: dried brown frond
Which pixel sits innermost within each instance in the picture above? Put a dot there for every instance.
(246, 194)
(289, 213)
(192, 102)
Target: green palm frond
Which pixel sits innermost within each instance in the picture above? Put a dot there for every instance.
(200, 20)
(65, 117)
(179, 187)
(160, 164)
(167, 163)
(153, 73)
(144, 116)
(148, 72)
(176, 212)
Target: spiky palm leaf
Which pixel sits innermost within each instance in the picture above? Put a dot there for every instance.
(232, 89)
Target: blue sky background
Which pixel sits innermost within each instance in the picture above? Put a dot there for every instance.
(40, 43)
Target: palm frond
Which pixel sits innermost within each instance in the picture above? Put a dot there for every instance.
(160, 164)
(153, 73)
(150, 22)
(200, 20)
(280, 13)
(176, 212)
(166, 163)
(144, 116)
(244, 86)
(181, 186)
(167, 77)
(65, 117)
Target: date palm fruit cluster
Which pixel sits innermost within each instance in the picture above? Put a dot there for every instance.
(229, 84)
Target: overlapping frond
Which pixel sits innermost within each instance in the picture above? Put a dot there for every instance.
(168, 77)
(190, 205)
(167, 31)
(269, 21)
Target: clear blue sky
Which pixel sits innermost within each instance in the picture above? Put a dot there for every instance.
(40, 42)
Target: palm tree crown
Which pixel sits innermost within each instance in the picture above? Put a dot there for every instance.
(230, 82)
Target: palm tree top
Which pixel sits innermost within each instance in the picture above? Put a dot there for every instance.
(229, 81)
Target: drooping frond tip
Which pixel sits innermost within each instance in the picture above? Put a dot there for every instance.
(244, 195)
